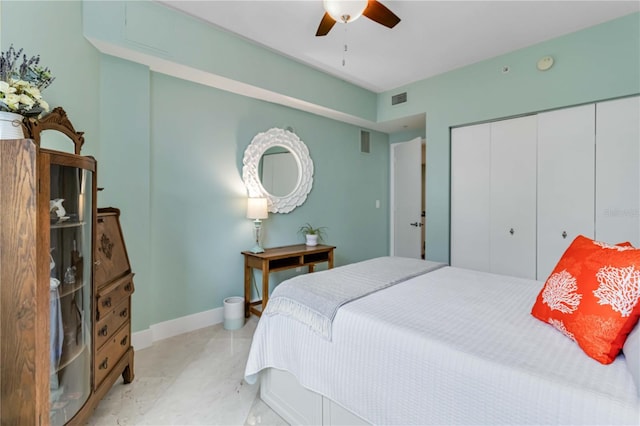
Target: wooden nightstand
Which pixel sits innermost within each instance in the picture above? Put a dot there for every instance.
(279, 259)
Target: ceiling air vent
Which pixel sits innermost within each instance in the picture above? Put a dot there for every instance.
(400, 98)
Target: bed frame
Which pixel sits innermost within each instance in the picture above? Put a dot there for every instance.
(299, 406)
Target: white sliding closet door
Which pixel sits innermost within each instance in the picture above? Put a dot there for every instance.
(618, 171)
(470, 197)
(513, 197)
(566, 182)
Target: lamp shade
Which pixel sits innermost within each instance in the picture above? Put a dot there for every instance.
(345, 10)
(257, 208)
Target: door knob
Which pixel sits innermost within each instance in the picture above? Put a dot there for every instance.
(512, 231)
(564, 234)
(416, 224)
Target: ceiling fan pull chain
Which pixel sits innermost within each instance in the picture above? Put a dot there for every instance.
(344, 52)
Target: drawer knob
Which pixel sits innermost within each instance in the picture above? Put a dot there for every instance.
(127, 287)
(103, 331)
(124, 313)
(123, 341)
(106, 303)
(104, 364)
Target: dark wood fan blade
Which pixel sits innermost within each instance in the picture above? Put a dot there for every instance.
(325, 25)
(379, 13)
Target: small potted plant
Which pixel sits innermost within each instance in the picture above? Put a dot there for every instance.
(312, 235)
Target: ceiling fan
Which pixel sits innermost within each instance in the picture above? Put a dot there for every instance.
(345, 11)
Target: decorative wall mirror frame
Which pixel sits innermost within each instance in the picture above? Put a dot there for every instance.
(55, 120)
(251, 169)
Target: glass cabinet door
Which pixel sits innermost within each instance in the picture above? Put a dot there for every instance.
(71, 219)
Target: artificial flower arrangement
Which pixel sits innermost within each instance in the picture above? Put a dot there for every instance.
(21, 84)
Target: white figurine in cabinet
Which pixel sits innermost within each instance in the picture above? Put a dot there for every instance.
(56, 208)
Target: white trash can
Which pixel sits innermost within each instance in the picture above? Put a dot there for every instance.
(233, 313)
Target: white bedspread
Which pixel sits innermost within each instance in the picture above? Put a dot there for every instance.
(314, 299)
(449, 347)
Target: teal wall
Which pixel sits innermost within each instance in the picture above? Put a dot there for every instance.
(170, 154)
(598, 63)
(198, 201)
(74, 62)
(142, 27)
(170, 150)
(124, 168)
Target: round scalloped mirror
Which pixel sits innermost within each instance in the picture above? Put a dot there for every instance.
(278, 160)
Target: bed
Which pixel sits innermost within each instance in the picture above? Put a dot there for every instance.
(443, 346)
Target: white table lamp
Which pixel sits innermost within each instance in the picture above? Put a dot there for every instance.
(257, 210)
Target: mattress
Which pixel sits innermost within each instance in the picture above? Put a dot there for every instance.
(453, 346)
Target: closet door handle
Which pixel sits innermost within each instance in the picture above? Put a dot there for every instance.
(564, 234)
(512, 231)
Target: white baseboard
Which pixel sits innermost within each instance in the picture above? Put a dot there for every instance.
(142, 339)
(163, 330)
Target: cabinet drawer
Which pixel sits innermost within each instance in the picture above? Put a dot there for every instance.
(112, 322)
(112, 295)
(111, 259)
(111, 352)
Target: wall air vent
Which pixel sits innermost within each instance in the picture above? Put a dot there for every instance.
(400, 98)
(364, 141)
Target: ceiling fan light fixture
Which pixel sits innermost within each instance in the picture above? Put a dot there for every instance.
(345, 10)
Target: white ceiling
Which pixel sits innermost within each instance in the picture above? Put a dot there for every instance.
(433, 36)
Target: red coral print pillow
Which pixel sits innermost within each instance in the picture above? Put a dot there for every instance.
(592, 296)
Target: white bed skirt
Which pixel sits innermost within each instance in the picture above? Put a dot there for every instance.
(299, 406)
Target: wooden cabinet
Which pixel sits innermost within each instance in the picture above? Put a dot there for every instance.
(64, 321)
(67, 182)
(113, 289)
(24, 288)
(46, 284)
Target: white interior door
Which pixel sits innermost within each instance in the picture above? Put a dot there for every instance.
(406, 198)
(566, 182)
(470, 197)
(618, 171)
(513, 197)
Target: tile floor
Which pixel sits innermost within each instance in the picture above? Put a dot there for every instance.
(192, 379)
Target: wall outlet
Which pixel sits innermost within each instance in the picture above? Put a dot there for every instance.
(377, 204)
